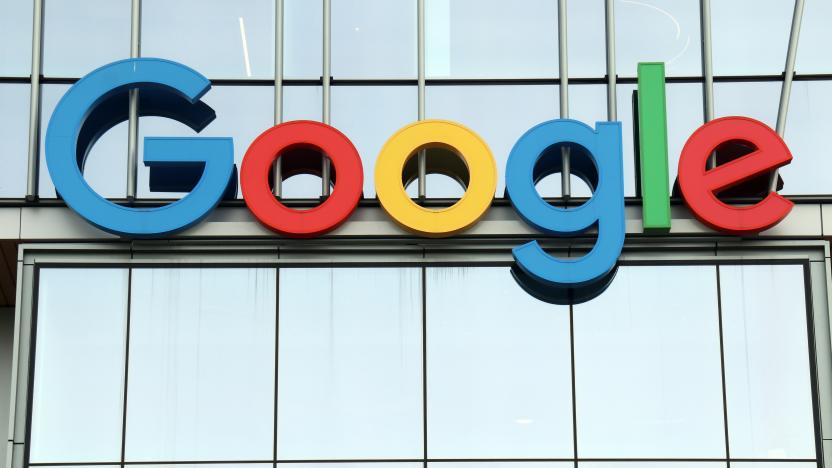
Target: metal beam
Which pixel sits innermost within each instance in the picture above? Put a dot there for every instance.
(327, 89)
(609, 10)
(420, 27)
(278, 88)
(786, 89)
(563, 72)
(34, 102)
(133, 111)
(707, 67)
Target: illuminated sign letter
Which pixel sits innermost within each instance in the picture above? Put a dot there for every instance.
(700, 185)
(605, 209)
(97, 102)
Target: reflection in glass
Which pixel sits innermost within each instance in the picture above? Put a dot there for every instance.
(815, 37)
(369, 116)
(767, 379)
(374, 38)
(72, 47)
(350, 363)
(499, 368)
(303, 32)
(647, 366)
(243, 113)
(220, 39)
(750, 37)
(16, 38)
(479, 39)
(14, 141)
(586, 41)
(105, 169)
(658, 31)
(808, 119)
(201, 364)
(500, 114)
(79, 365)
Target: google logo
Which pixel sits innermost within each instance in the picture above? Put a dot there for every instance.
(97, 102)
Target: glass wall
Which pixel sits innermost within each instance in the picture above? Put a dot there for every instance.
(492, 65)
(433, 364)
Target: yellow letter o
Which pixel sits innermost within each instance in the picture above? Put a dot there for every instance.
(443, 222)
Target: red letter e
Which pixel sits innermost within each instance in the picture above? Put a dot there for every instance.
(699, 185)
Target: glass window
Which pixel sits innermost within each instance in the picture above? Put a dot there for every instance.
(14, 139)
(374, 38)
(243, 113)
(625, 112)
(352, 464)
(479, 39)
(490, 464)
(350, 363)
(756, 99)
(72, 47)
(302, 103)
(105, 169)
(658, 31)
(500, 114)
(768, 464)
(303, 39)
(219, 39)
(750, 37)
(369, 116)
(16, 37)
(652, 464)
(648, 379)
(305, 103)
(808, 119)
(767, 379)
(202, 347)
(586, 41)
(684, 115)
(587, 103)
(815, 37)
(499, 368)
(79, 365)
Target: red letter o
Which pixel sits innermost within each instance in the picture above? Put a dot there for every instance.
(266, 148)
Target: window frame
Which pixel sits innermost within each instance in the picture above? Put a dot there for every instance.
(813, 256)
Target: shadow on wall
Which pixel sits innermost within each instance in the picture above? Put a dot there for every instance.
(8, 273)
(6, 346)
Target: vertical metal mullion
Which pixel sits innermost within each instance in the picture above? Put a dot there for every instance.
(707, 66)
(278, 89)
(609, 11)
(133, 110)
(34, 102)
(420, 27)
(786, 90)
(126, 365)
(726, 433)
(563, 72)
(327, 72)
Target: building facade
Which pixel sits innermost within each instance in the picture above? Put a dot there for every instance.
(370, 345)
